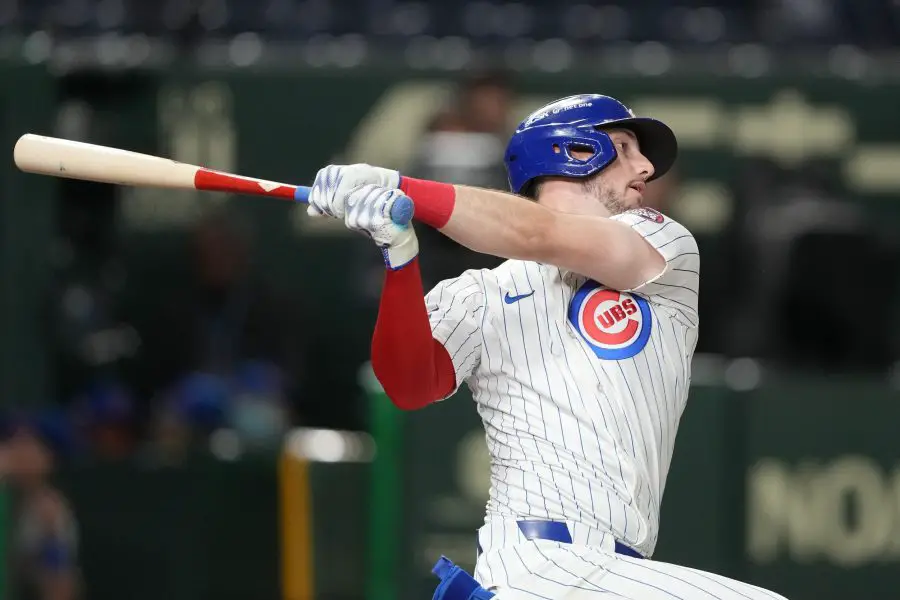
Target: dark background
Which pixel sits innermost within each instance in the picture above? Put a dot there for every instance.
(167, 349)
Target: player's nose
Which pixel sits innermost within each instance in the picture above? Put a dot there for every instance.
(645, 167)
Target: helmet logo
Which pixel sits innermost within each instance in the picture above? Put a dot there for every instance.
(556, 108)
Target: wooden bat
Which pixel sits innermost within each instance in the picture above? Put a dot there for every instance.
(78, 160)
(91, 162)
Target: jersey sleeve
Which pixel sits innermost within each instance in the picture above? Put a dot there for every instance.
(678, 284)
(455, 311)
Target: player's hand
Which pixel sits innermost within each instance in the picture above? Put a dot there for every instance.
(334, 183)
(368, 211)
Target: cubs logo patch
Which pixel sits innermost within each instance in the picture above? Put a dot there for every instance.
(614, 324)
(649, 214)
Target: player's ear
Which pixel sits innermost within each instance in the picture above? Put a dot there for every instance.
(532, 191)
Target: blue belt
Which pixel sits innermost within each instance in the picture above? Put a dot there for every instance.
(556, 531)
(456, 584)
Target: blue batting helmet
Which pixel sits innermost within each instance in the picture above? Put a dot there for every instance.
(542, 144)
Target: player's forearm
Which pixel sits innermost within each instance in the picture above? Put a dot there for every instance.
(486, 221)
(500, 224)
(414, 369)
(509, 226)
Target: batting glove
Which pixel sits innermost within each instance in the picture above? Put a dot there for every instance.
(334, 184)
(368, 211)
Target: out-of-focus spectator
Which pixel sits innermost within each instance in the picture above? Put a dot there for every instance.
(802, 242)
(201, 400)
(92, 336)
(184, 416)
(485, 102)
(465, 141)
(226, 316)
(104, 415)
(44, 533)
(258, 410)
(464, 144)
(169, 438)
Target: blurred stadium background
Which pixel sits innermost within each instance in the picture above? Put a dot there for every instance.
(188, 413)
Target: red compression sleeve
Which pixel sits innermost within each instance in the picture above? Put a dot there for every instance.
(414, 368)
(434, 201)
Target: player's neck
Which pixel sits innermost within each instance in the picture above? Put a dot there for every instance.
(564, 199)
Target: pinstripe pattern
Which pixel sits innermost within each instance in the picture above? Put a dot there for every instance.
(573, 436)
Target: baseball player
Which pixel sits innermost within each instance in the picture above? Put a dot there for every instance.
(577, 349)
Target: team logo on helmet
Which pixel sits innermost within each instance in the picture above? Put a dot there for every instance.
(556, 108)
(614, 324)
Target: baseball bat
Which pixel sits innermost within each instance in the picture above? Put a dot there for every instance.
(69, 159)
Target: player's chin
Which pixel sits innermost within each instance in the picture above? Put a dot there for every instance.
(633, 198)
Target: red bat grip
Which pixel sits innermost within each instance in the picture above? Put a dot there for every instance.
(217, 181)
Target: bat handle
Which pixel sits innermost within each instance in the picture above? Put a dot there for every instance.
(301, 194)
(401, 211)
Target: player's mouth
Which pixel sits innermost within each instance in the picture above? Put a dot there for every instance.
(639, 187)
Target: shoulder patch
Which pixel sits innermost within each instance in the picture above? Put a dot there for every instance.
(648, 213)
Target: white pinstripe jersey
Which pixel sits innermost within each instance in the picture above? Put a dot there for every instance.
(580, 388)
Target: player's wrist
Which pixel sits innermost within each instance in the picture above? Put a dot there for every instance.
(434, 201)
(402, 251)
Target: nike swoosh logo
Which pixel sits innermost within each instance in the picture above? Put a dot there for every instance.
(513, 299)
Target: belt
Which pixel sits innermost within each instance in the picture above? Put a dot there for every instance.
(557, 531)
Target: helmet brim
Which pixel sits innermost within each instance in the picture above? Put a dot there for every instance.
(657, 140)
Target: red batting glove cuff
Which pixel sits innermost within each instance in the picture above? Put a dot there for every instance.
(434, 201)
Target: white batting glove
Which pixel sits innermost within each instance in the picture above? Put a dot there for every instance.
(368, 211)
(334, 183)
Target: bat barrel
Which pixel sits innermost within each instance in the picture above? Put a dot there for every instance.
(79, 160)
